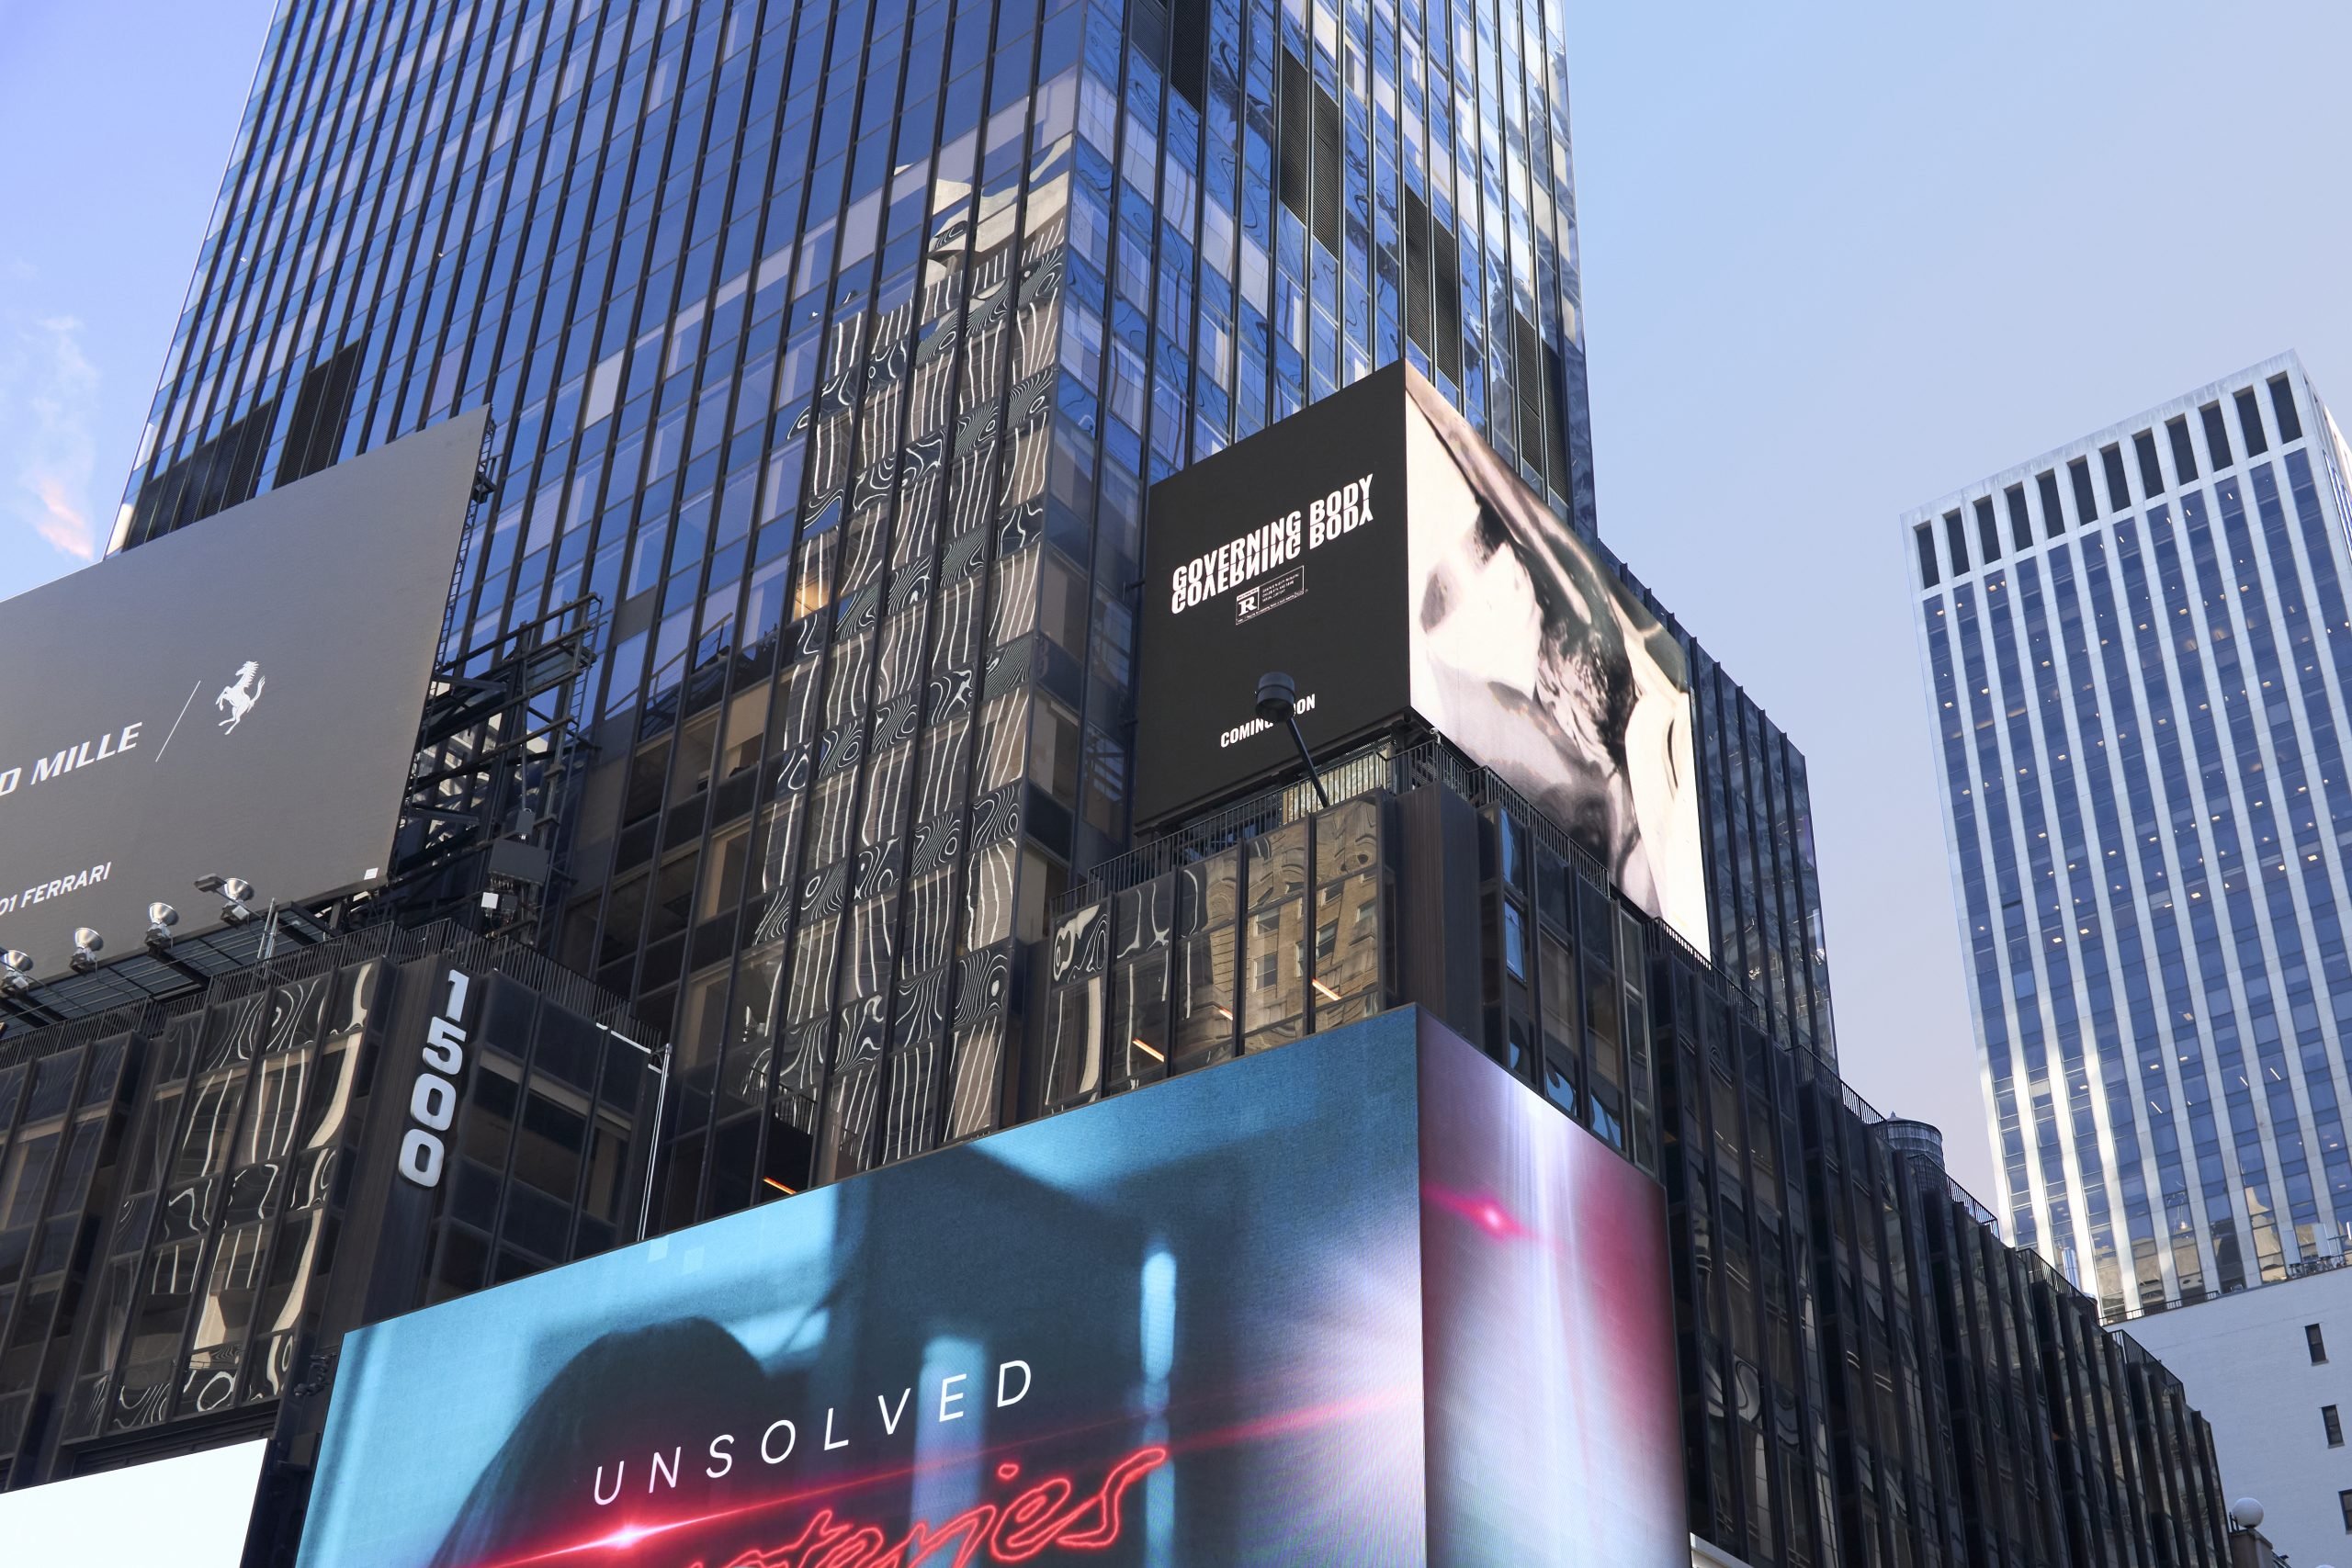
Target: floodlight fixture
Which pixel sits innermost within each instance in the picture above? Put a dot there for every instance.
(1278, 703)
(87, 944)
(15, 971)
(161, 919)
(236, 897)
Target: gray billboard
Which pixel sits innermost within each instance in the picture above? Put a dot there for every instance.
(237, 699)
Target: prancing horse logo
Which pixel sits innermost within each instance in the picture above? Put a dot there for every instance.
(237, 698)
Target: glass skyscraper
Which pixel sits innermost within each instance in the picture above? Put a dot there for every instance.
(2139, 655)
(833, 347)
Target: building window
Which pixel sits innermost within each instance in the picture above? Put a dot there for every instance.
(2151, 475)
(2184, 456)
(2217, 436)
(1957, 541)
(1989, 536)
(2080, 470)
(1927, 541)
(2119, 490)
(2344, 1501)
(2282, 408)
(2318, 1345)
(2054, 516)
(2328, 1419)
(2020, 525)
(2250, 422)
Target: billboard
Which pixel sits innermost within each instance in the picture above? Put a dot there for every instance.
(1376, 550)
(1189, 1325)
(239, 698)
(192, 1512)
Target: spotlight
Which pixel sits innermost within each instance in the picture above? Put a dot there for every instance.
(235, 892)
(86, 946)
(15, 971)
(1277, 697)
(161, 919)
(1278, 703)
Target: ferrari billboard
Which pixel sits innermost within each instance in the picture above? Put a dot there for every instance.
(238, 699)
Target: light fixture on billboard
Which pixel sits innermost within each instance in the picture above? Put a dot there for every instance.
(161, 919)
(1278, 703)
(236, 893)
(15, 971)
(86, 946)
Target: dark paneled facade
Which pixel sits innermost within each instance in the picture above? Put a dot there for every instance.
(1869, 1375)
(198, 1197)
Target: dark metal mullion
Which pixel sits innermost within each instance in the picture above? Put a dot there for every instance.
(273, 1242)
(498, 195)
(475, 565)
(770, 444)
(273, 1223)
(640, 518)
(209, 1244)
(11, 1319)
(858, 361)
(357, 238)
(740, 171)
(143, 1254)
(985, 605)
(269, 71)
(295, 223)
(385, 296)
(893, 510)
(796, 560)
(925, 734)
(696, 391)
(427, 230)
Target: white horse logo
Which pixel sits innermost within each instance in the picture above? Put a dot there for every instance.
(237, 698)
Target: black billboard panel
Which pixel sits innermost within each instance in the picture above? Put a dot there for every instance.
(1452, 594)
(238, 699)
(1285, 552)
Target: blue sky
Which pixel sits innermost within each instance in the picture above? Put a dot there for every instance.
(1839, 259)
(116, 118)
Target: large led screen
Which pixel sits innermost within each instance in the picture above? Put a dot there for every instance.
(1553, 1408)
(239, 698)
(1375, 550)
(192, 1512)
(1192, 1325)
(1180, 1326)
(1531, 654)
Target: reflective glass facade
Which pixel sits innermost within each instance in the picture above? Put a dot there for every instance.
(2138, 656)
(832, 347)
(1869, 1375)
(198, 1197)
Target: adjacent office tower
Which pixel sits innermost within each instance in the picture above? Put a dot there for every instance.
(2138, 658)
(832, 345)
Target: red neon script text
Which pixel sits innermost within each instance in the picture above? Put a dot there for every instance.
(1039, 1518)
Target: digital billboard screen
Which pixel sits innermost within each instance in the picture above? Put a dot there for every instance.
(239, 698)
(1188, 1324)
(1376, 550)
(193, 1512)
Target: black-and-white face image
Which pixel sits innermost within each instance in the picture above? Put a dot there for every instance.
(1529, 653)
